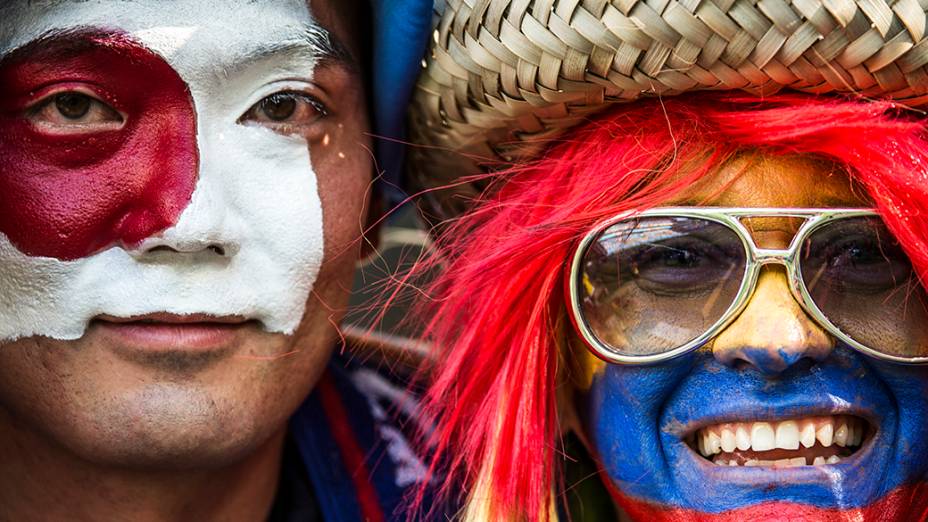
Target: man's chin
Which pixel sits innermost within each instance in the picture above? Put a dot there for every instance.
(155, 410)
(168, 426)
(125, 398)
(903, 504)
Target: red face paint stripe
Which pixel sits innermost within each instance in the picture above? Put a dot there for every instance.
(68, 196)
(906, 503)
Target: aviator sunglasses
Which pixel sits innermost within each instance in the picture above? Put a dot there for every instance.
(649, 286)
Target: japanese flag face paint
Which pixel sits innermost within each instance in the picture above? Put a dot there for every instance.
(156, 195)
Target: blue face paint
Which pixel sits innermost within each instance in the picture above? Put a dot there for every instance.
(638, 416)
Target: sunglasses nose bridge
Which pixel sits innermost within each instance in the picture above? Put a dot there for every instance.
(772, 332)
(767, 256)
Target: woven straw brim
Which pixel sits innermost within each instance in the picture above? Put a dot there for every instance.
(504, 75)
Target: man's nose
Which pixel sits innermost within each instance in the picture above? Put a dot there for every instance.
(773, 332)
(204, 246)
(204, 230)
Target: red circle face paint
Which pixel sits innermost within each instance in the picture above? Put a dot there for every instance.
(69, 194)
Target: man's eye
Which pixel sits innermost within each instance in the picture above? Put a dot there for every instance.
(289, 109)
(278, 108)
(73, 106)
(75, 112)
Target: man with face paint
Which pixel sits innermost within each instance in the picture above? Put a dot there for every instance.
(183, 189)
(685, 259)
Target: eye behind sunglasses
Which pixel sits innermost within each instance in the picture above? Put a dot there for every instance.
(651, 286)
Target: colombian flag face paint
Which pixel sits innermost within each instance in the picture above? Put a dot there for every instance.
(642, 420)
(772, 418)
(155, 158)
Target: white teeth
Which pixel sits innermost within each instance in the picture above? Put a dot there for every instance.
(787, 435)
(790, 435)
(794, 462)
(715, 443)
(762, 436)
(824, 434)
(742, 438)
(841, 435)
(728, 440)
(807, 437)
(781, 463)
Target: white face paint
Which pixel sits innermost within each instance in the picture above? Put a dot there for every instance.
(256, 197)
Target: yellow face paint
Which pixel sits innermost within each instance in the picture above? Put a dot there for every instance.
(582, 366)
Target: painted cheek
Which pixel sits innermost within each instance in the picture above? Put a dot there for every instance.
(623, 418)
(69, 196)
(909, 387)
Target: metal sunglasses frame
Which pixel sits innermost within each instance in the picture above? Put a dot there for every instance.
(755, 259)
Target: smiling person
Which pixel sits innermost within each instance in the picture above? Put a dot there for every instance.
(693, 306)
(183, 191)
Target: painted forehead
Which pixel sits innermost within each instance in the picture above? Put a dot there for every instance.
(191, 34)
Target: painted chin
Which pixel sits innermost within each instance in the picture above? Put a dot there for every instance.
(169, 333)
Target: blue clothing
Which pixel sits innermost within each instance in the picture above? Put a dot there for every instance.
(353, 434)
(350, 436)
(401, 35)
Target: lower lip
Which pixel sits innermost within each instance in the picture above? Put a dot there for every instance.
(174, 336)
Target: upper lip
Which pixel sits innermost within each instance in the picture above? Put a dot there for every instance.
(168, 318)
(693, 426)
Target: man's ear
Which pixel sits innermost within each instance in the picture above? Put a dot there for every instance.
(370, 239)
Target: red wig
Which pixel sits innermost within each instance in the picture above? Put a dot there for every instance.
(498, 306)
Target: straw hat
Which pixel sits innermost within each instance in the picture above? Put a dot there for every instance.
(504, 76)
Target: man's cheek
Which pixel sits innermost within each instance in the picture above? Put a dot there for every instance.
(624, 412)
(343, 177)
(67, 194)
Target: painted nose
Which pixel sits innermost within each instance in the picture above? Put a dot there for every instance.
(773, 333)
(204, 230)
(205, 246)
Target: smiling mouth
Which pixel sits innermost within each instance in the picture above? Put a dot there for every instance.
(807, 441)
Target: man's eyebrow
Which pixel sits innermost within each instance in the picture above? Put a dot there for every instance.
(66, 43)
(314, 41)
(328, 46)
(317, 42)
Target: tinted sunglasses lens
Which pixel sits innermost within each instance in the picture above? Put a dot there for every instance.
(650, 285)
(863, 282)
